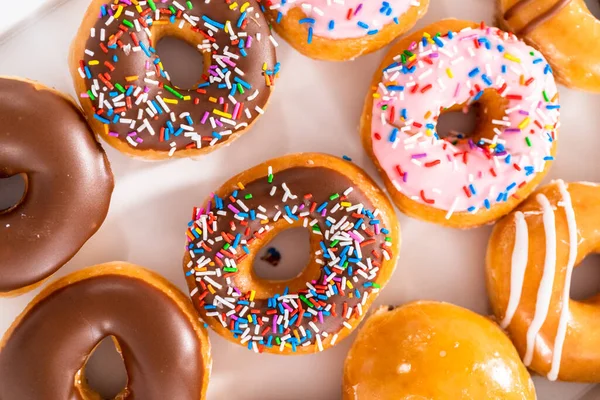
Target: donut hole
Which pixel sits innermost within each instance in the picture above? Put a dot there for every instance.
(284, 257)
(463, 122)
(594, 7)
(12, 192)
(585, 283)
(182, 61)
(104, 371)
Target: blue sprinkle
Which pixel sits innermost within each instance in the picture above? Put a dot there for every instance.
(331, 25)
(486, 203)
(307, 21)
(213, 22)
(362, 25)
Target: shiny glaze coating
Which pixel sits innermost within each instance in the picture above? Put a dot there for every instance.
(44, 136)
(430, 350)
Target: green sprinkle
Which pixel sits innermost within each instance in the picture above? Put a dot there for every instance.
(173, 10)
(175, 92)
(277, 340)
(384, 107)
(240, 88)
(189, 4)
(127, 23)
(316, 228)
(388, 239)
(528, 141)
(308, 303)
(120, 87)
(248, 196)
(92, 97)
(226, 246)
(228, 269)
(152, 5)
(545, 95)
(334, 243)
(270, 178)
(334, 196)
(408, 53)
(376, 285)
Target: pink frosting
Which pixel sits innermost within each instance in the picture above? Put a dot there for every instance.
(366, 16)
(451, 70)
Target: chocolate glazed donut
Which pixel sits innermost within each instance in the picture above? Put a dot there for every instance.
(128, 95)
(164, 347)
(44, 137)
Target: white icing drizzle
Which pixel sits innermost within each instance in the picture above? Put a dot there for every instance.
(547, 281)
(562, 323)
(518, 265)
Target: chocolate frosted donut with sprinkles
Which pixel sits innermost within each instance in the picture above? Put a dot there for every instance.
(461, 180)
(354, 244)
(128, 96)
(343, 29)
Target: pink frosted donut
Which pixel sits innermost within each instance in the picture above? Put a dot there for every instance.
(342, 29)
(461, 180)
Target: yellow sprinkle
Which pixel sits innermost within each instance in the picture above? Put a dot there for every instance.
(376, 95)
(211, 264)
(241, 185)
(449, 73)
(190, 235)
(428, 132)
(131, 78)
(264, 221)
(211, 289)
(244, 6)
(289, 346)
(264, 67)
(345, 204)
(349, 284)
(428, 114)
(522, 80)
(524, 123)
(549, 127)
(233, 6)
(119, 11)
(93, 62)
(511, 57)
(221, 113)
(252, 294)
(170, 101)
(200, 269)
(187, 98)
(212, 99)
(296, 334)
(250, 318)
(198, 231)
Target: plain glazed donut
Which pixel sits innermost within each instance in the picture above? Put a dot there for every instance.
(429, 350)
(354, 242)
(530, 260)
(565, 31)
(128, 97)
(44, 137)
(342, 30)
(165, 348)
(460, 181)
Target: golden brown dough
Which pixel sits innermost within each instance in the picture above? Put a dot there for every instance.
(429, 350)
(565, 31)
(530, 260)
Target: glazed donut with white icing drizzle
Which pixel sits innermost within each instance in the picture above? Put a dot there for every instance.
(530, 260)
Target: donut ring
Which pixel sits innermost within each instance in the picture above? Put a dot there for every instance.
(348, 216)
(44, 137)
(431, 350)
(165, 349)
(548, 25)
(345, 30)
(128, 97)
(458, 181)
(530, 259)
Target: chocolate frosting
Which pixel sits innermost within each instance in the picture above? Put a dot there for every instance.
(310, 185)
(69, 183)
(160, 349)
(117, 61)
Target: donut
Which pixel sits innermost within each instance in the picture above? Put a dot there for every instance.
(432, 350)
(461, 180)
(342, 30)
(354, 244)
(530, 260)
(565, 31)
(128, 96)
(45, 139)
(165, 348)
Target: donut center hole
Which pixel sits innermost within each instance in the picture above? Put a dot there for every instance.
(458, 123)
(105, 371)
(12, 192)
(585, 283)
(594, 6)
(182, 61)
(284, 257)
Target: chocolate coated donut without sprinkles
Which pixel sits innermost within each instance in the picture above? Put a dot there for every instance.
(128, 96)
(354, 245)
